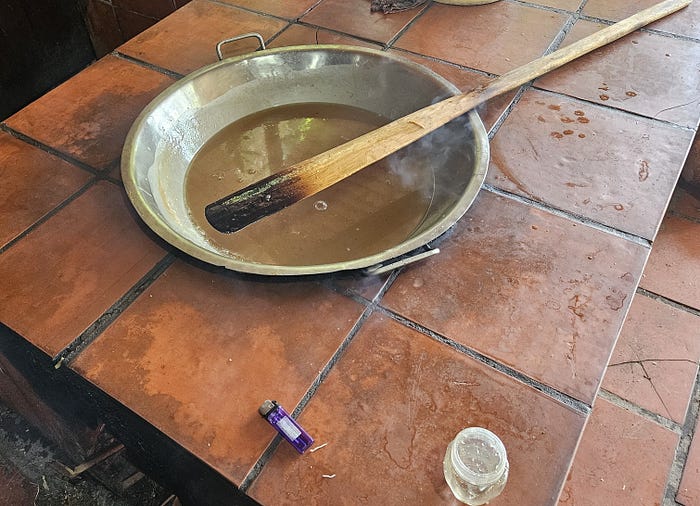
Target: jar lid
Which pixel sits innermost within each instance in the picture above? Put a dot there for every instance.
(479, 456)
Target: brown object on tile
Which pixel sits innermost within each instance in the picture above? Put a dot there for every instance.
(353, 17)
(534, 291)
(390, 6)
(616, 173)
(387, 412)
(186, 40)
(33, 183)
(494, 38)
(88, 116)
(655, 360)
(673, 269)
(64, 275)
(205, 349)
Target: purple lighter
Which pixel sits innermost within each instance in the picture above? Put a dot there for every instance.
(286, 425)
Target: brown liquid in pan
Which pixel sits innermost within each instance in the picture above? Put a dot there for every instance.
(376, 208)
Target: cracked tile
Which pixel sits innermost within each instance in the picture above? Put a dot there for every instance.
(655, 361)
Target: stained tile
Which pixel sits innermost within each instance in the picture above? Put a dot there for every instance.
(60, 278)
(689, 488)
(354, 17)
(390, 407)
(33, 183)
(685, 22)
(300, 35)
(153, 8)
(494, 38)
(670, 93)
(622, 459)
(611, 167)
(537, 292)
(88, 116)
(568, 5)
(287, 9)
(198, 353)
(466, 81)
(186, 40)
(656, 358)
(673, 269)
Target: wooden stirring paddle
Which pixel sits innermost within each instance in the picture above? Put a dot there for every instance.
(309, 177)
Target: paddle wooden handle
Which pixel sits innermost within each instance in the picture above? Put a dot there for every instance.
(306, 178)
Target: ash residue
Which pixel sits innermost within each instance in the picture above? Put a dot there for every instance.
(390, 6)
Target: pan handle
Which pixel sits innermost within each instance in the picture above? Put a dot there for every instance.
(239, 37)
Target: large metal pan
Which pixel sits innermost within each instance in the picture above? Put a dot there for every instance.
(171, 130)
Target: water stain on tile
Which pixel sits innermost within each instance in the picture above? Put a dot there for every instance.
(195, 337)
(96, 108)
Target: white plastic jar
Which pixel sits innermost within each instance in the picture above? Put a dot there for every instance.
(476, 466)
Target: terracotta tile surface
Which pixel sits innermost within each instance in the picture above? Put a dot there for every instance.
(611, 167)
(569, 5)
(466, 81)
(299, 35)
(88, 116)
(689, 489)
(656, 358)
(387, 412)
(290, 9)
(622, 459)
(60, 278)
(186, 40)
(197, 339)
(671, 94)
(534, 291)
(33, 183)
(685, 22)
(354, 16)
(495, 38)
(674, 264)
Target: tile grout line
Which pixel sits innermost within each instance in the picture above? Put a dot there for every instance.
(82, 341)
(402, 31)
(669, 302)
(50, 214)
(563, 398)
(688, 432)
(582, 220)
(648, 415)
(4, 127)
(257, 468)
